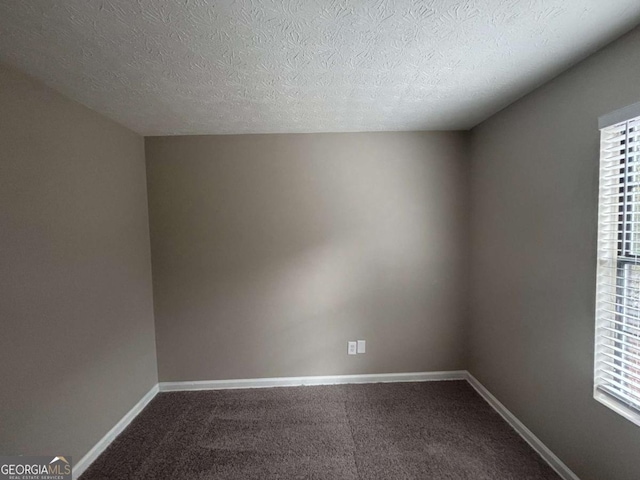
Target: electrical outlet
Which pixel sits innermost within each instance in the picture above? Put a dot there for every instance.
(352, 348)
(362, 346)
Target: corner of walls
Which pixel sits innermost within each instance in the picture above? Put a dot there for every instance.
(148, 227)
(467, 247)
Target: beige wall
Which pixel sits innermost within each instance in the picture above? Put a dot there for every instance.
(534, 208)
(77, 343)
(270, 252)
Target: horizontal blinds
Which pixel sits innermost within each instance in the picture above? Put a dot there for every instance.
(617, 359)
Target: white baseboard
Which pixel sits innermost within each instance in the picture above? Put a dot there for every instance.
(318, 380)
(548, 456)
(516, 424)
(80, 466)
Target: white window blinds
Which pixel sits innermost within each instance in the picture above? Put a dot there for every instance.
(617, 354)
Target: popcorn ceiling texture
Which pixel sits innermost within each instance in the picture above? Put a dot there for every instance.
(259, 66)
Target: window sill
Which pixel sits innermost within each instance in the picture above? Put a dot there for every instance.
(617, 406)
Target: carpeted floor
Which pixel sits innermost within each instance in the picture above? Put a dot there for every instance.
(432, 430)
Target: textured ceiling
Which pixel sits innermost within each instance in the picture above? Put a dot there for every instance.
(251, 66)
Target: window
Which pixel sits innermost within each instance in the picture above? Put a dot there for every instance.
(617, 349)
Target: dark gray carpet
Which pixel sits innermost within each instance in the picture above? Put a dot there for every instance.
(433, 430)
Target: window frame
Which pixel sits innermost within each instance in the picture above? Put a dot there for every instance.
(624, 257)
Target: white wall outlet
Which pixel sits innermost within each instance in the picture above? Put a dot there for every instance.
(362, 346)
(352, 348)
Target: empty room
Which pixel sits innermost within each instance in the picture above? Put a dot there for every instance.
(320, 239)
